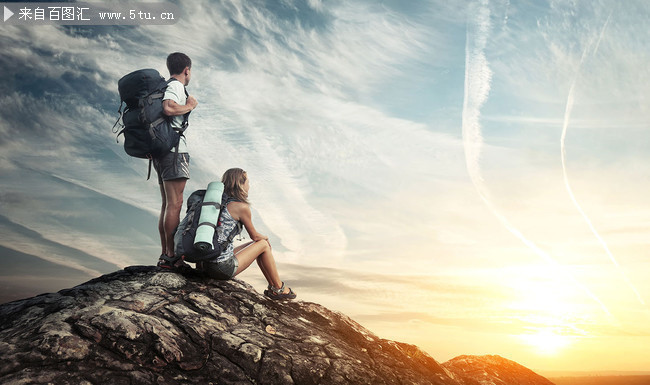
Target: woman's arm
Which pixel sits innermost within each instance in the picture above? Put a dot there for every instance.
(243, 211)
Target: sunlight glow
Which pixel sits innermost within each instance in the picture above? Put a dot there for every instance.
(546, 341)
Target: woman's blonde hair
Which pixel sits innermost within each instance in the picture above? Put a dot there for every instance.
(233, 184)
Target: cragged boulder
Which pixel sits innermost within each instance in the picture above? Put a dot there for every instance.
(142, 325)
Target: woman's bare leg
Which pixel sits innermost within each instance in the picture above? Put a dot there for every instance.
(260, 251)
(242, 247)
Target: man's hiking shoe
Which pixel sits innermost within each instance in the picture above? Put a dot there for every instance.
(166, 262)
(278, 294)
(173, 264)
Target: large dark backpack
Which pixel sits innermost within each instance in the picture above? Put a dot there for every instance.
(148, 133)
(186, 230)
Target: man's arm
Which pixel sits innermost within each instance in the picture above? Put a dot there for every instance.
(171, 108)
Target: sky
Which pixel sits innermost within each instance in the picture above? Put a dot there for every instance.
(470, 177)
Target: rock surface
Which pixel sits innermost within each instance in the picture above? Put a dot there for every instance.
(142, 325)
(492, 370)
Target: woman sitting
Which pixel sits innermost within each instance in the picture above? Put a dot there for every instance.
(234, 260)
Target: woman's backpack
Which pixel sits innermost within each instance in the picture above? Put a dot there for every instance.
(184, 238)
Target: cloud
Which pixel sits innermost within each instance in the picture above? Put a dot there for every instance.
(359, 293)
(54, 252)
(284, 103)
(67, 223)
(289, 115)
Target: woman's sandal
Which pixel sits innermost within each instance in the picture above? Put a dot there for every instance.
(277, 294)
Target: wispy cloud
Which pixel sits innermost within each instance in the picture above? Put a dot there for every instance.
(293, 104)
(284, 102)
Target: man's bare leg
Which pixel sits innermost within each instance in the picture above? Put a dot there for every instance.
(161, 219)
(173, 190)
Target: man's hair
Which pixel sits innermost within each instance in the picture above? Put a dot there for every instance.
(176, 63)
(233, 184)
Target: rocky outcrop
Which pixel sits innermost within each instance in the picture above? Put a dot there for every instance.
(492, 370)
(142, 325)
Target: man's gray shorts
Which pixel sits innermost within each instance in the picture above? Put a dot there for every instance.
(167, 170)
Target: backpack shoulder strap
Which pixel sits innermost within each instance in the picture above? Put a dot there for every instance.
(121, 114)
(225, 199)
(187, 115)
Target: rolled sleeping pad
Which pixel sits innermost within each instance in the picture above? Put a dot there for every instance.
(209, 217)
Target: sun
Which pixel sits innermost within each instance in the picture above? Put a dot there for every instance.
(546, 342)
(545, 309)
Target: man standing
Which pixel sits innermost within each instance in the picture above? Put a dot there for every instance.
(173, 170)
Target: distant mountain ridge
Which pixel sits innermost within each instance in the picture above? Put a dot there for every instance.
(142, 325)
(492, 370)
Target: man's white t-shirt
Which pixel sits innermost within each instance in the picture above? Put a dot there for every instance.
(176, 92)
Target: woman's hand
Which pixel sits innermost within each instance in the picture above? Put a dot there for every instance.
(260, 237)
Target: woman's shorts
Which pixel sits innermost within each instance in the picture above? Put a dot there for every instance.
(223, 270)
(168, 170)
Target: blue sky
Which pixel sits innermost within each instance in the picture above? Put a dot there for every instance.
(405, 159)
